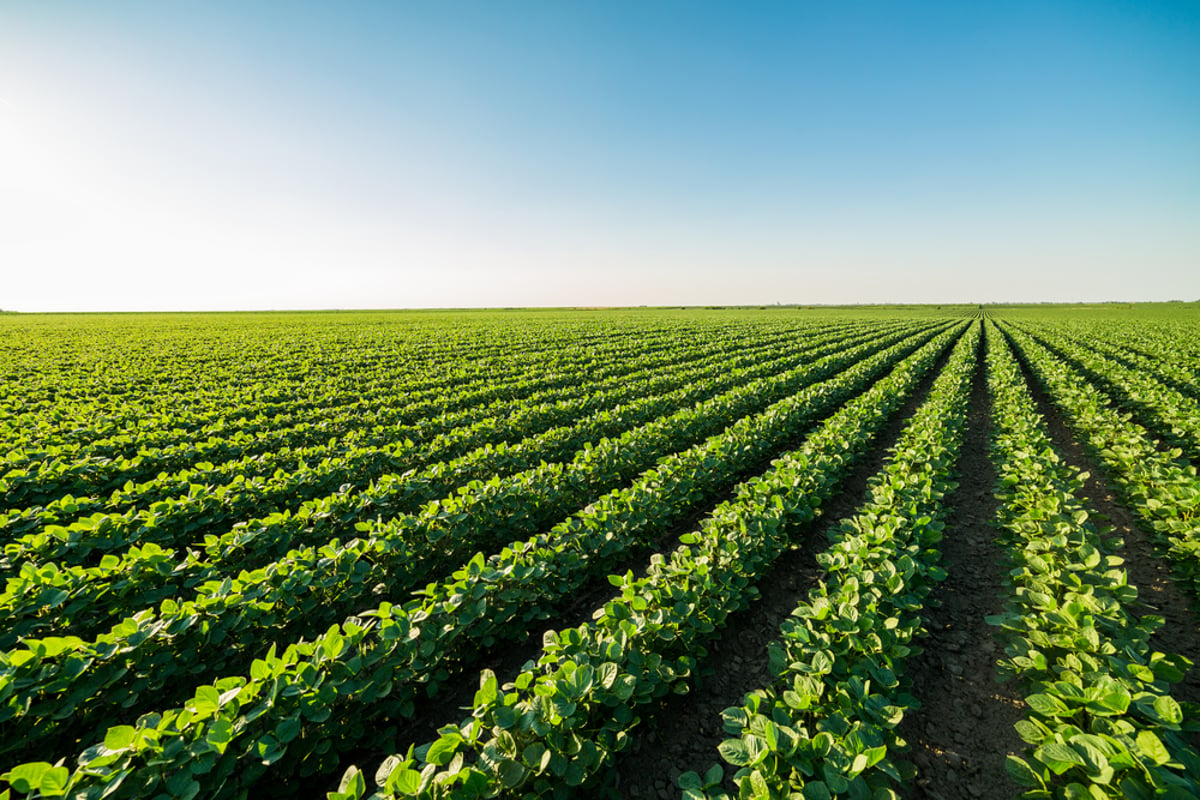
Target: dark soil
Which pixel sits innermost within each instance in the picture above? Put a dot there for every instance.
(963, 729)
(507, 658)
(1159, 432)
(683, 733)
(1148, 568)
(964, 726)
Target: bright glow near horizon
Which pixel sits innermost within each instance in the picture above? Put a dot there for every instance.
(237, 156)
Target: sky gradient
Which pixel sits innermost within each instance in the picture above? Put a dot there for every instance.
(224, 155)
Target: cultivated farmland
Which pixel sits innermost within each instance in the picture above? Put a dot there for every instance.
(864, 553)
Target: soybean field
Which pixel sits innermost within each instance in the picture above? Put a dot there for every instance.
(779, 552)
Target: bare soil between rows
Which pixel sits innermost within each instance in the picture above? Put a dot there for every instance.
(963, 728)
(683, 732)
(1148, 568)
(507, 658)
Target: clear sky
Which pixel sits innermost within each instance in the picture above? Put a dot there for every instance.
(239, 155)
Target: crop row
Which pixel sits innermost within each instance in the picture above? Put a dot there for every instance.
(311, 586)
(1101, 720)
(203, 741)
(226, 395)
(1159, 486)
(375, 432)
(1170, 344)
(44, 477)
(1165, 410)
(207, 504)
(364, 402)
(559, 721)
(1180, 378)
(123, 389)
(49, 597)
(826, 726)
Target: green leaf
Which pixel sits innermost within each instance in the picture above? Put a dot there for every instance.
(796, 701)
(182, 787)
(1111, 703)
(1046, 705)
(54, 782)
(756, 748)
(353, 784)
(269, 749)
(206, 702)
(28, 777)
(488, 688)
(1168, 668)
(536, 756)
(625, 686)
(180, 782)
(734, 719)
(1023, 774)
(331, 643)
(1058, 757)
(119, 737)
(758, 786)
(442, 750)
(220, 734)
(816, 790)
(1167, 710)
(288, 729)
(607, 674)
(1150, 746)
(822, 662)
(512, 774)
(1029, 732)
(405, 781)
(505, 717)
(734, 751)
(386, 768)
(834, 779)
(575, 774)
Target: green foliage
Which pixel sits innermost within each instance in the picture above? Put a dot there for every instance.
(144, 654)
(201, 539)
(826, 727)
(381, 652)
(580, 699)
(1102, 722)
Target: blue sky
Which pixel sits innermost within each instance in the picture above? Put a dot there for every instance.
(192, 155)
